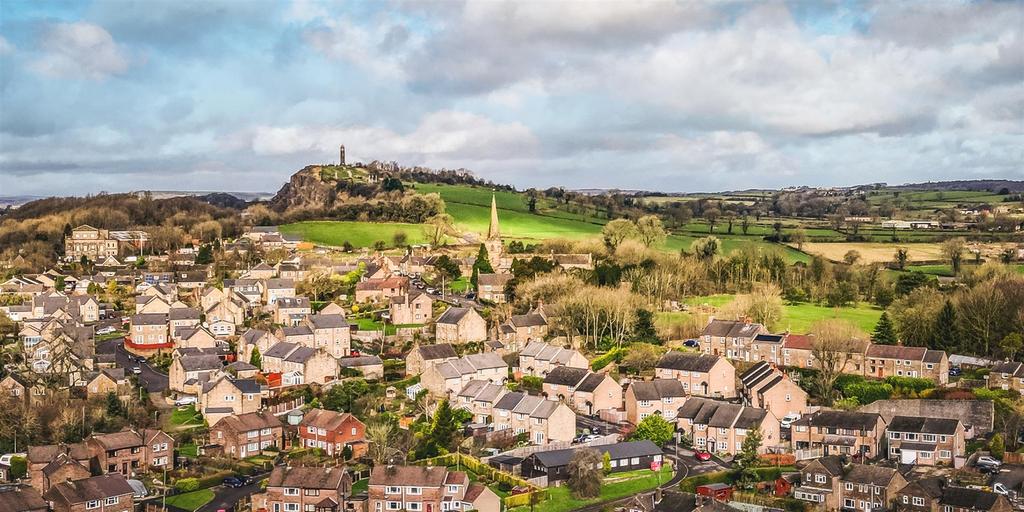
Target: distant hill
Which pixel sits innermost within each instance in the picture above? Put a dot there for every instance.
(994, 186)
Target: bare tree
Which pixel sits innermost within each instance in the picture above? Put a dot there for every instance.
(585, 473)
(835, 343)
(953, 250)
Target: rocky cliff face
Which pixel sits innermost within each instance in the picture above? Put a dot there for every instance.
(305, 189)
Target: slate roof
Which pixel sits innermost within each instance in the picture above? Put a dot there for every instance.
(22, 499)
(250, 421)
(590, 383)
(657, 389)
(972, 499)
(118, 440)
(1009, 368)
(942, 426)
(453, 315)
(869, 474)
(617, 451)
(354, 362)
(301, 354)
(321, 321)
(416, 476)
(307, 477)
(149, 319)
(183, 314)
(89, 489)
(832, 463)
(199, 363)
(841, 419)
(493, 279)
(731, 329)
(566, 376)
(280, 349)
(325, 419)
(688, 362)
(528, 320)
(896, 352)
(438, 351)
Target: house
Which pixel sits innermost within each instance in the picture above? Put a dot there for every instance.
(821, 482)
(302, 363)
(107, 380)
(152, 304)
(413, 308)
(883, 361)
(41, 459)
(764, 385)
(23, 499)
(295, 489)
(369, 367)
(729, 338)
(254, 339)
(195, 337)
(721, 427)
(521, 330)
(380, 290)
(925, 441)
(104, 493)
(585, 391)
(179, 318)
(423, 355)
(538, 420)
(827, 432)
(225, 396)
(767, 347)
(130, 450)
(460, 325)
(491, 287)
(148, 334)
(479, 398)
(700, 374)
(331, 333)
(539, 358)
(333, 432)
(261, 271)
(275, 289)
(290, 311)
(869, 487)
(1007, 375)
(61, 469)
(427, 488)
(12, 386)
(188, 373)
(446, 378)
(936, 495)
(248, 434)
(100, 244)
(626, 456)
(659, 396)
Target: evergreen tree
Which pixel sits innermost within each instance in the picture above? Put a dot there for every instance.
(256, 359)
(946, 334)
(114, 406)
(482, 265)
(643, 326)
(885, 333)
(205, 255)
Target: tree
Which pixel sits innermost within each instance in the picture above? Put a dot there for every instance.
(606, 463)
(945, 334)
(765, 305)
(706, 248)
(115, 408)
(885, 333)
(256, 359)
(400, 238)
(438, 227)
(1011, 344)
(585, 473)
(482, 265)
(834, 343)
(19, 468)
(650, 230)
(711, 215)
(902, 256)
(730, 219)
(910, 281)
(745, 224)
(798, 237)
(997, 447)
(642, 356)
(654, 428)
(748, 458)
(914, 316)
(341, 397)
(953, 250)
(616, 231)
(851, 257)
(643, 326)
(381, 436)
(447, 267)
(205, 255)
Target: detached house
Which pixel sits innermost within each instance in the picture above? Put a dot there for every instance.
(721, 427)
(225, 397)
(423, 355)
(332, 431)
(730, 338)
(248, 434)
(659, 396)
(585, 391)
(104, 493)
(765, 386)
(380, 290)
(539, 358)
(925, 441)
(827, 482)
(883, 361)
(332, 333)
(129, 451)
(299, 364)
(827, 432)
(699, 374)
(290, 311)
(413, 308)
(491, 287)
(1007, 375)
(188, 373)
(460, 325)
(521, 330)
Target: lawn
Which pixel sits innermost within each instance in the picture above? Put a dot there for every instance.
(191, 500)
(186, 416)
(359, 234)
(188, 450)
(796, 318)
(361, 486)
(616, 486)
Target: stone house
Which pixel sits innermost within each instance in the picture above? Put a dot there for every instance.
(821, 482)
(585, 391)
(764, 385)
(107, 380)
(699, 374)
(248, 434)
(275, 289)
(491, 287)
(460, 325)
(412, 308)
(661, 397)
(104, 493)
(479, 398)
(370, 367)
(883, 361)
(181, 318)
(254, 338)
(225, 396)
(380, 290)
(729, 338)
(848, 433)
(925, 441)
(331, 333)
(312, 365)
(869, 488)
(300, 489)
(332, 431)
(767, 347)
(423, 355)
(521, 330)
(427, 488)
(721, 427)
(148, 333)
(539, 358)
(541, 421)
(290, 311)
(447, 378)
(188, 373)
(934, 494)
(196, 337)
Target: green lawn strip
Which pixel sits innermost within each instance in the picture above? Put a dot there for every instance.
(616, 486)
(185, 416)
(361, 486)
(359, 234)
(107, 337)
(473, 477)
(717, 300)
(191, 500)
(188, 450)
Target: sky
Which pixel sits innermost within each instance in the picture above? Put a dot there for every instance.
(666, 96)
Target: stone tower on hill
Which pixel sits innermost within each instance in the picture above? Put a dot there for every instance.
(341, 155)
(493, 242)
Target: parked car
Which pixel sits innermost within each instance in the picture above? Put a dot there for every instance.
(235, 481)
(955, 371)
(185, 400)
(702, 456)
(787, 420)
(988, 460)
(141, 359)
(432, 291)
(691, 343)
(136, 370)
(106, 330)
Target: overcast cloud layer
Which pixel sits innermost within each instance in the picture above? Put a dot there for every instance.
(673, 96)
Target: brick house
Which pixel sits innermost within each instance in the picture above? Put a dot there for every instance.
(104, 493)
(585, 391)
(380, 290)
(821, 482)
(41, 456)
(460, 325)
(445, 379)
(23, 499)
(729, 338)
(721, 427)
(661, 397)
(539, 358)
(63, 468)
(332, 431)
(542, 421)
(764, 385)
(883, 361)
(414, 307)
(700, 374)
(869, 487)
(934, 494)
(423, 355)
(925, 441)
(427, 489)
(300, 489)
(248, 434)
(858, 434)
(130, 451)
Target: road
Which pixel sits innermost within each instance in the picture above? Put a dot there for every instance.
(226, 497)
(152, 380)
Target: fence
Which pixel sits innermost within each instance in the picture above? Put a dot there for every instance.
(809, 454)
(286, 406)
(487, 473)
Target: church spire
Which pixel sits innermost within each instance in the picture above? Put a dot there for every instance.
(493, 232)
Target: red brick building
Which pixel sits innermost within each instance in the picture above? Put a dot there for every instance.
(332, 431)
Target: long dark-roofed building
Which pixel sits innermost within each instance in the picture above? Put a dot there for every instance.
(626, 456)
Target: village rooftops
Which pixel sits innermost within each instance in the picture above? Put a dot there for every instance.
(414, 476)
(528, 320)
(674, 360)
(307, 477)
(869, 474)
(453, 315)
(320, 321)
(566, 376)
(438, 351)
(197, 363)
(731, 329)
(904, 353)
(150, 319)
(840, 419)
(251, 421)
(941, 426)
(657, 389)
(96, 488)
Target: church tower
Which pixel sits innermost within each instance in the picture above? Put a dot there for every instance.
(493, 242)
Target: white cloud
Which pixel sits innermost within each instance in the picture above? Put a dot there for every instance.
(80, 50)
(5, 46)
(304, 11)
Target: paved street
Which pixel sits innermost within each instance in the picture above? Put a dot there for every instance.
(226, 497)
(150, 379)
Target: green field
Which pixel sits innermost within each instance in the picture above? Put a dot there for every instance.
(616, 486)
(191, 500)
(796, 318)
(359, 234)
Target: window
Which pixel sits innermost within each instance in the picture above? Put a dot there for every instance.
(413, 506)
(353, 430)
(789, 397)
(928, 438)
(942, 439)
(945, 454)
(848, 503)
(925, 455)
(929, 366)
(849, 486)
(918, 501)
(291, 507)
(265, 431)
(311, 492)
(894, 435)
(311, 430)
(92, 504)
(394, 505)
(112, 500)
(819, 478)
(415, 490)
(904, 500)
(910, 436)
(723, 431)
(291, 491)
(455, 488)
(393, 490)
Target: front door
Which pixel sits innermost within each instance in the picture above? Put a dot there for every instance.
(711, 445)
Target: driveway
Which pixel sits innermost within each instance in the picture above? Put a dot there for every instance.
(226, 497)
(589, 423)
(152, 380)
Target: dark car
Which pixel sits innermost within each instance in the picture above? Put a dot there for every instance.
(691, 343)
(955, 371)
(235, 481)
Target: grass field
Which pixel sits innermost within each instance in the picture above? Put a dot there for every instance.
(191, 500)
(874, 252)
(186, 417)
(359, 234)
(796, 318)
(616, 485)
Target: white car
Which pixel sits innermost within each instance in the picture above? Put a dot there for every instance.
(987, 460)
(787, 420)
(106, 330)
(185, 400)
(136, 370)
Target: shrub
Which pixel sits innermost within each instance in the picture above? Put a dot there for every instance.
(19, 467)
(868, 392)
(605, 359)
(997, 447)
(187, 484)
(910, 383)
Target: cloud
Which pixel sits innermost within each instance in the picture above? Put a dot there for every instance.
(80, 50)
(5, 46)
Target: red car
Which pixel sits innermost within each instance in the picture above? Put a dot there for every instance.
(702, 456)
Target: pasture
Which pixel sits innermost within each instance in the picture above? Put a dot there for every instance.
(359, 234)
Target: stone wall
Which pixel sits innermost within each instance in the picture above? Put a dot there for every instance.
(977, 413)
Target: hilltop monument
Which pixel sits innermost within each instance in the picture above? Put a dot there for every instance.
(341, 155)
(493, 241)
